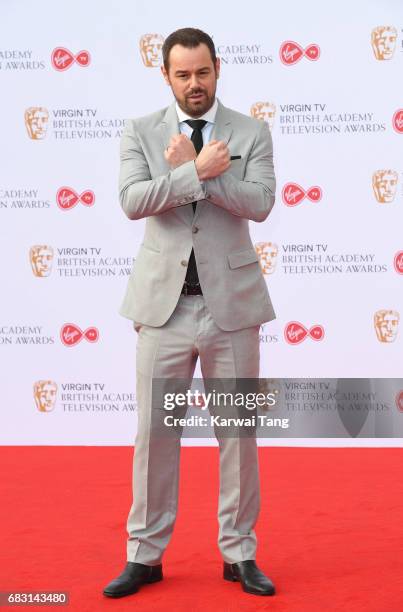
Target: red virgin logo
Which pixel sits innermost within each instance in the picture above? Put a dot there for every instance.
(62, 58)
(398, 262)
(291, 52)
(295, 332)
(399, 401)
(293, 194)
(397, 121)
(71, 334)
(67, 198)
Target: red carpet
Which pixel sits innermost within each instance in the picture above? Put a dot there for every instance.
(330, 530)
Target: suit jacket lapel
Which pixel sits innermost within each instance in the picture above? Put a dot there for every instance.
(169, 125)
(222, 128)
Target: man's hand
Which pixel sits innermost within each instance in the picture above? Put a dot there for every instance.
(213, 160)
(179, 150)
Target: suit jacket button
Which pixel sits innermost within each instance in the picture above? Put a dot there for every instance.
(184, 262)
(195, 229)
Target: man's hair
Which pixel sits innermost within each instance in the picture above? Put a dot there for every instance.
(190, 38)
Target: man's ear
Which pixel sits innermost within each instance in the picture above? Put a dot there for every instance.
(165, 75)
(217, 67)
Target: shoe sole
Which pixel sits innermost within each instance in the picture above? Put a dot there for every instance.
(132, 591)
(250, 591)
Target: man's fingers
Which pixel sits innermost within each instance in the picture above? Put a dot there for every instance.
(178, 139)
(175, 138)
(181, 137)
(218, 144)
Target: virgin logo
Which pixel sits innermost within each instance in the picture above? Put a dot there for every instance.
(67, 198)
(397, 121)
(293, 194)
(71, 334)
(295, 332)
(62, 58)
(398, 262)
(291, 52)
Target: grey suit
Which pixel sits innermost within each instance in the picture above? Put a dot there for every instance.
(221, 327)
(233, 285)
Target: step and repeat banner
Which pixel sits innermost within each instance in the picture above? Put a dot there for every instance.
(329, 84)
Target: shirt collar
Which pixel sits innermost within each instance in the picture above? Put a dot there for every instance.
(209, 116)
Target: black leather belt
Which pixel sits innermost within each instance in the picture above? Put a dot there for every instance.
(188, 289)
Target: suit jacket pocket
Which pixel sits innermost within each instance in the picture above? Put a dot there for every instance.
(237, 168)
(242, 258)
(148, 266)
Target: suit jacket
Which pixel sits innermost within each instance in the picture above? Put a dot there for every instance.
(230, 275)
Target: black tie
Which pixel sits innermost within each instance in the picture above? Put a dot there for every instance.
(197, 138)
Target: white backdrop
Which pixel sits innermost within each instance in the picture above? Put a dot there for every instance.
(332, 86)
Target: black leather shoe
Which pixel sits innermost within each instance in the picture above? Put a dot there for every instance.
(131, 579)
(250, 576)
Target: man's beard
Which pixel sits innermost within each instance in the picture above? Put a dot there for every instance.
(196, 108)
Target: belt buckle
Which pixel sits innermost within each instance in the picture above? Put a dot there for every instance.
(188, 288)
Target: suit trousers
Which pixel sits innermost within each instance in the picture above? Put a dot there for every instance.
(171, 352)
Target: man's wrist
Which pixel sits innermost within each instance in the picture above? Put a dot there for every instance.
(202, 175)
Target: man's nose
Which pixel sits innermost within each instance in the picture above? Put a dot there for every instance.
(194, 82)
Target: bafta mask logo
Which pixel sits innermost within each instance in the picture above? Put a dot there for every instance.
(384, 184)
(398, 262)
(150, 49)
(383, 41)
(45, 392)
(71, 334)
(291, 52)
(386, 325)
(397, 121)
(41, 257)
(62, 58)
(296, 332)
(265, 111)
(272, 387)
(36, 122)
(267, 253)
(399, 401)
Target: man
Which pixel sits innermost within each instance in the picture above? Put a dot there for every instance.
(196, 290)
